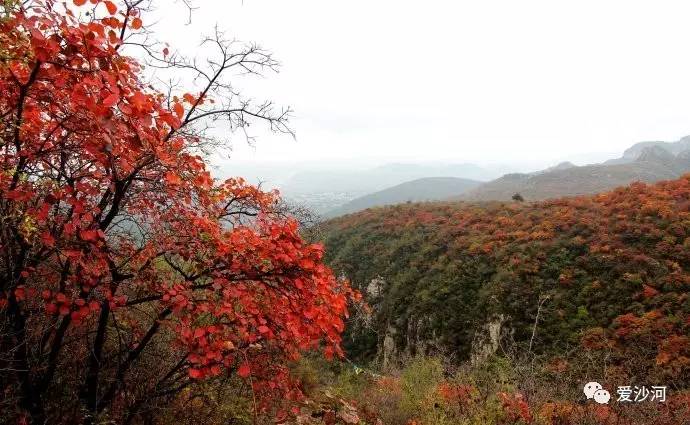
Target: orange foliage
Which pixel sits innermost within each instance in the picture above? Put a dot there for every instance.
(111, 222)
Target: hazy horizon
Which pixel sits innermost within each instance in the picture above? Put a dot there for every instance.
(482, 82)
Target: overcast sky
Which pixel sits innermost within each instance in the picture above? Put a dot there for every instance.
(496, 81)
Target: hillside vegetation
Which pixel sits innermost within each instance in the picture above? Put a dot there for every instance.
(598, 285)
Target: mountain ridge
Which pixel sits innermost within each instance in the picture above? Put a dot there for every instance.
(418, 190)
(380, 177)
(646, 162)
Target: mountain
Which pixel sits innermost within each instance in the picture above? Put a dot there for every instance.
(374, 179)
(646, 162)
(587, 280)
(566, 165)
(674, 148)
(425, 189)
(325, 190)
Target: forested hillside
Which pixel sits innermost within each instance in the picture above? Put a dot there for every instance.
(604, 273)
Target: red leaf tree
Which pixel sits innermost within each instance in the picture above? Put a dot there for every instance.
(128, 273)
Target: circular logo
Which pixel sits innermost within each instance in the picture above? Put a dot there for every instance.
(602, 396)
(591, 388)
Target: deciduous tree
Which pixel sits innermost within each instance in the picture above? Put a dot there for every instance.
(127, 273)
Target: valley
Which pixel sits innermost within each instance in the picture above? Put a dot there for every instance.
(582, 288)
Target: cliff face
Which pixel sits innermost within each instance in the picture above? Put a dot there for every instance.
(417, 336)
(489, 338)
(409, 337)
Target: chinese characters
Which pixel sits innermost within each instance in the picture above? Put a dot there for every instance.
(635, 394)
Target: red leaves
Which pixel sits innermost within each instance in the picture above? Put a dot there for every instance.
(172, 178)
(674, 353)
(306, 263)
(111, 100)
(51, 309)
(179, 110)
(189, 98)
(460, 394)
(89, 235)
(47, 239)
(515, 407)
(649, 292)
(328, 352)
(244, 370)
(20, 293)
(213, 370)
(139, 101)
(112, 9)
(141, 215)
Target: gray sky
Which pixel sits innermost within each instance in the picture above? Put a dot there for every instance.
(496, 81)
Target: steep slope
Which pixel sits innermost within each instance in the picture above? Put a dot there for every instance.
(607, 272)
(651, 164)
(426, 189)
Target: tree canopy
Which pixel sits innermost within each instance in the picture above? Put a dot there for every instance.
(128, 274)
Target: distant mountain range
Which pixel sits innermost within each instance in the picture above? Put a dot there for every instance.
(647, 162)
(366, 181)
(325, 191)
(424, 189)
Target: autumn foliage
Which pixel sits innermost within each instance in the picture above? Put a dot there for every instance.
(128, 273)
(595, 285)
